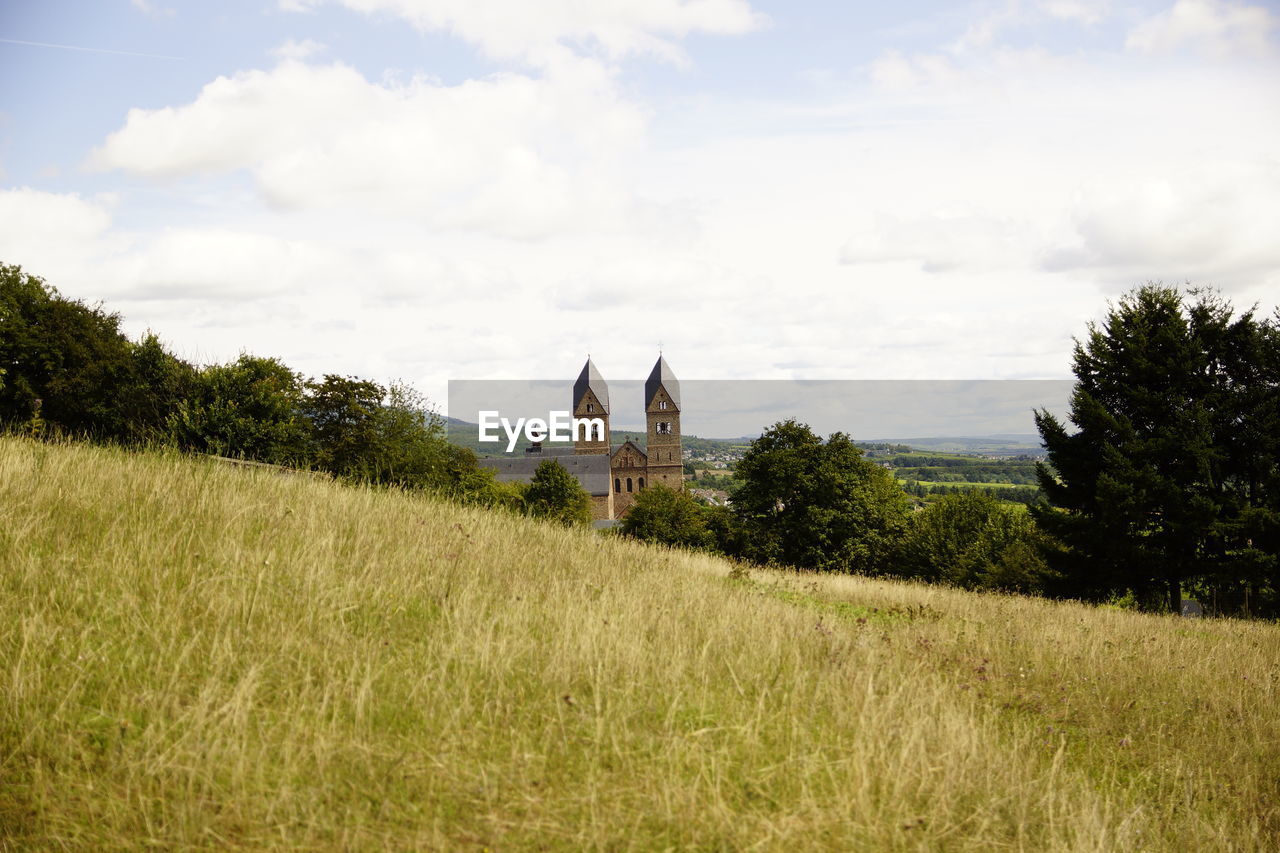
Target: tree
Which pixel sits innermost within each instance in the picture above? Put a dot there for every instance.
(64, 361)
(1172, 469)
(667, 516)
(969, 539)
(555, 494)
(816, 505)
(726, 532)
(68, 364)
(251, 408)
(157, 384)
(343, 413)
(413, 452)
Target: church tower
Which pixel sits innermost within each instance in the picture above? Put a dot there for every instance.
(662, 413)
(591, 400)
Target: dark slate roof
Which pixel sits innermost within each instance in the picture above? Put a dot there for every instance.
(590, 378)
(556, 450)
(629, 443)
(591, 471)
(662, 376)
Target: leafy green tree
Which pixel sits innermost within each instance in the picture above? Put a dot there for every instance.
(667, 516)
(969, 539)
(70, 365)
(555, 494)
(64, 360)
(1172, 468)
(727, 534)
(251, 408)
(413, 451)
(157, 384)
(812, 504)
(344, 415)
(472, 484)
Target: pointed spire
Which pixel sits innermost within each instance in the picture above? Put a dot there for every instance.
(662, 377)
(591, 380)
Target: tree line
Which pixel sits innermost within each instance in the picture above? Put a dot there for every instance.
(1018, 475)
(1165, 481)
(1011, 494)
(806, 502)
(67, 369)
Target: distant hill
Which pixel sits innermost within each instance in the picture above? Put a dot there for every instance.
(1007, 444)
(463, 433)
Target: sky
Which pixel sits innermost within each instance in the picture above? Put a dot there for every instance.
(426, 190)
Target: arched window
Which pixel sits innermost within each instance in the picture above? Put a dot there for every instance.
(662, 404)
(591, 407)
(642, 482)
(617, 484)
(628, 484)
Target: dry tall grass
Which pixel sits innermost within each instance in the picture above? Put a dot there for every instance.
(199, 656)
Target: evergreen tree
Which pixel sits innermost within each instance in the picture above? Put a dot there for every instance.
(1172, 457)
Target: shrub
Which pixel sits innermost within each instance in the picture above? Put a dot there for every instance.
(667, 516)
(972, 540)
(556, 495)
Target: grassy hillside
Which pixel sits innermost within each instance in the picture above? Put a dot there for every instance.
(201, 656)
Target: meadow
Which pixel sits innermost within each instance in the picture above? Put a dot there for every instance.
(195, 655)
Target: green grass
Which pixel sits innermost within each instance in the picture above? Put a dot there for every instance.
(199, 656)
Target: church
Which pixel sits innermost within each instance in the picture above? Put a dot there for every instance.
(613, 477)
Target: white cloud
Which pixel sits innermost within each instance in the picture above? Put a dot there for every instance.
(47, 233)
(293, 49)
(1216, 27)
(148, 8)
(962, 218)
(221, 265)
(984, 30)
(961, 239)
(1086, 12)
(892, 70)
(987, 28)
(26, 213)
(519, 29)
(1213, 223)
(511, 154)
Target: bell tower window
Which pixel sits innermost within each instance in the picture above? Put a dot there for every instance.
(664, 428)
